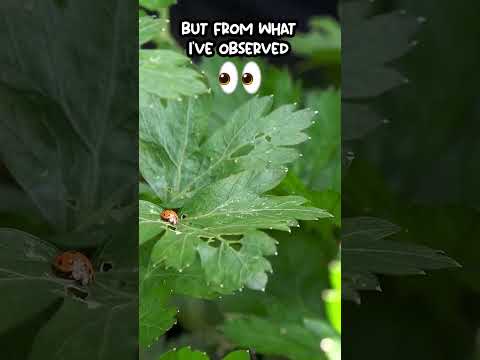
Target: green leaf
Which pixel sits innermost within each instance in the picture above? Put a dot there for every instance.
(232, 206)
(365, 68)
(187, 354)
(25, 269)
(168, 75)
(292, 299)
(78, 332)
(238, 355)
(322, 45)
(176, 164)
(155, 5)
(156, 315)
(320, 168)
(268, 336)
(232, 269)
(365, 253)
(164, 73)
(184, 354)
(328, 200)
(148, 29)
(54, 145)
(367, 228)
(170, 137)
(149, 215)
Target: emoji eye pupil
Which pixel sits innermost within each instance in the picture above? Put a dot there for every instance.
(247, 78)
(224, 79)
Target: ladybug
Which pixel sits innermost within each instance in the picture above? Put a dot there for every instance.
(74, 265)
(169, 216)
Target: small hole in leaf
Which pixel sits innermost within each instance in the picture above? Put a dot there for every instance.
(184, 216)
(234, 241)
(72, 203)
(215, 243)
(236, 246)
(106, 266)
(232, 237)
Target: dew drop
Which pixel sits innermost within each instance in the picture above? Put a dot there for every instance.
(327, 345)
(421, 19)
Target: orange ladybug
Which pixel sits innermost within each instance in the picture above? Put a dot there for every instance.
(74, 265)
(169, 216)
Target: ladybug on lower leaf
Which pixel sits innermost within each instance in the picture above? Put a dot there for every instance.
(74, 265)
(169, 216)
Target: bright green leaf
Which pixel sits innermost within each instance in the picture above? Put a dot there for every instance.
(167, 75)
(320, 169)
(333, 297)
(184, 354)
(176, 164)
(148, 29)
(155, 5)
(322, 45)
(238, 355)
(232, 206)
(156, 315)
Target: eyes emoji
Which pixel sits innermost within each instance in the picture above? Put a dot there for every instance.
(228, 77)
(169, 216)
(251, 77)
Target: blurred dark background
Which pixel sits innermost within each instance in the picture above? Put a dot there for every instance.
(420, 171)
